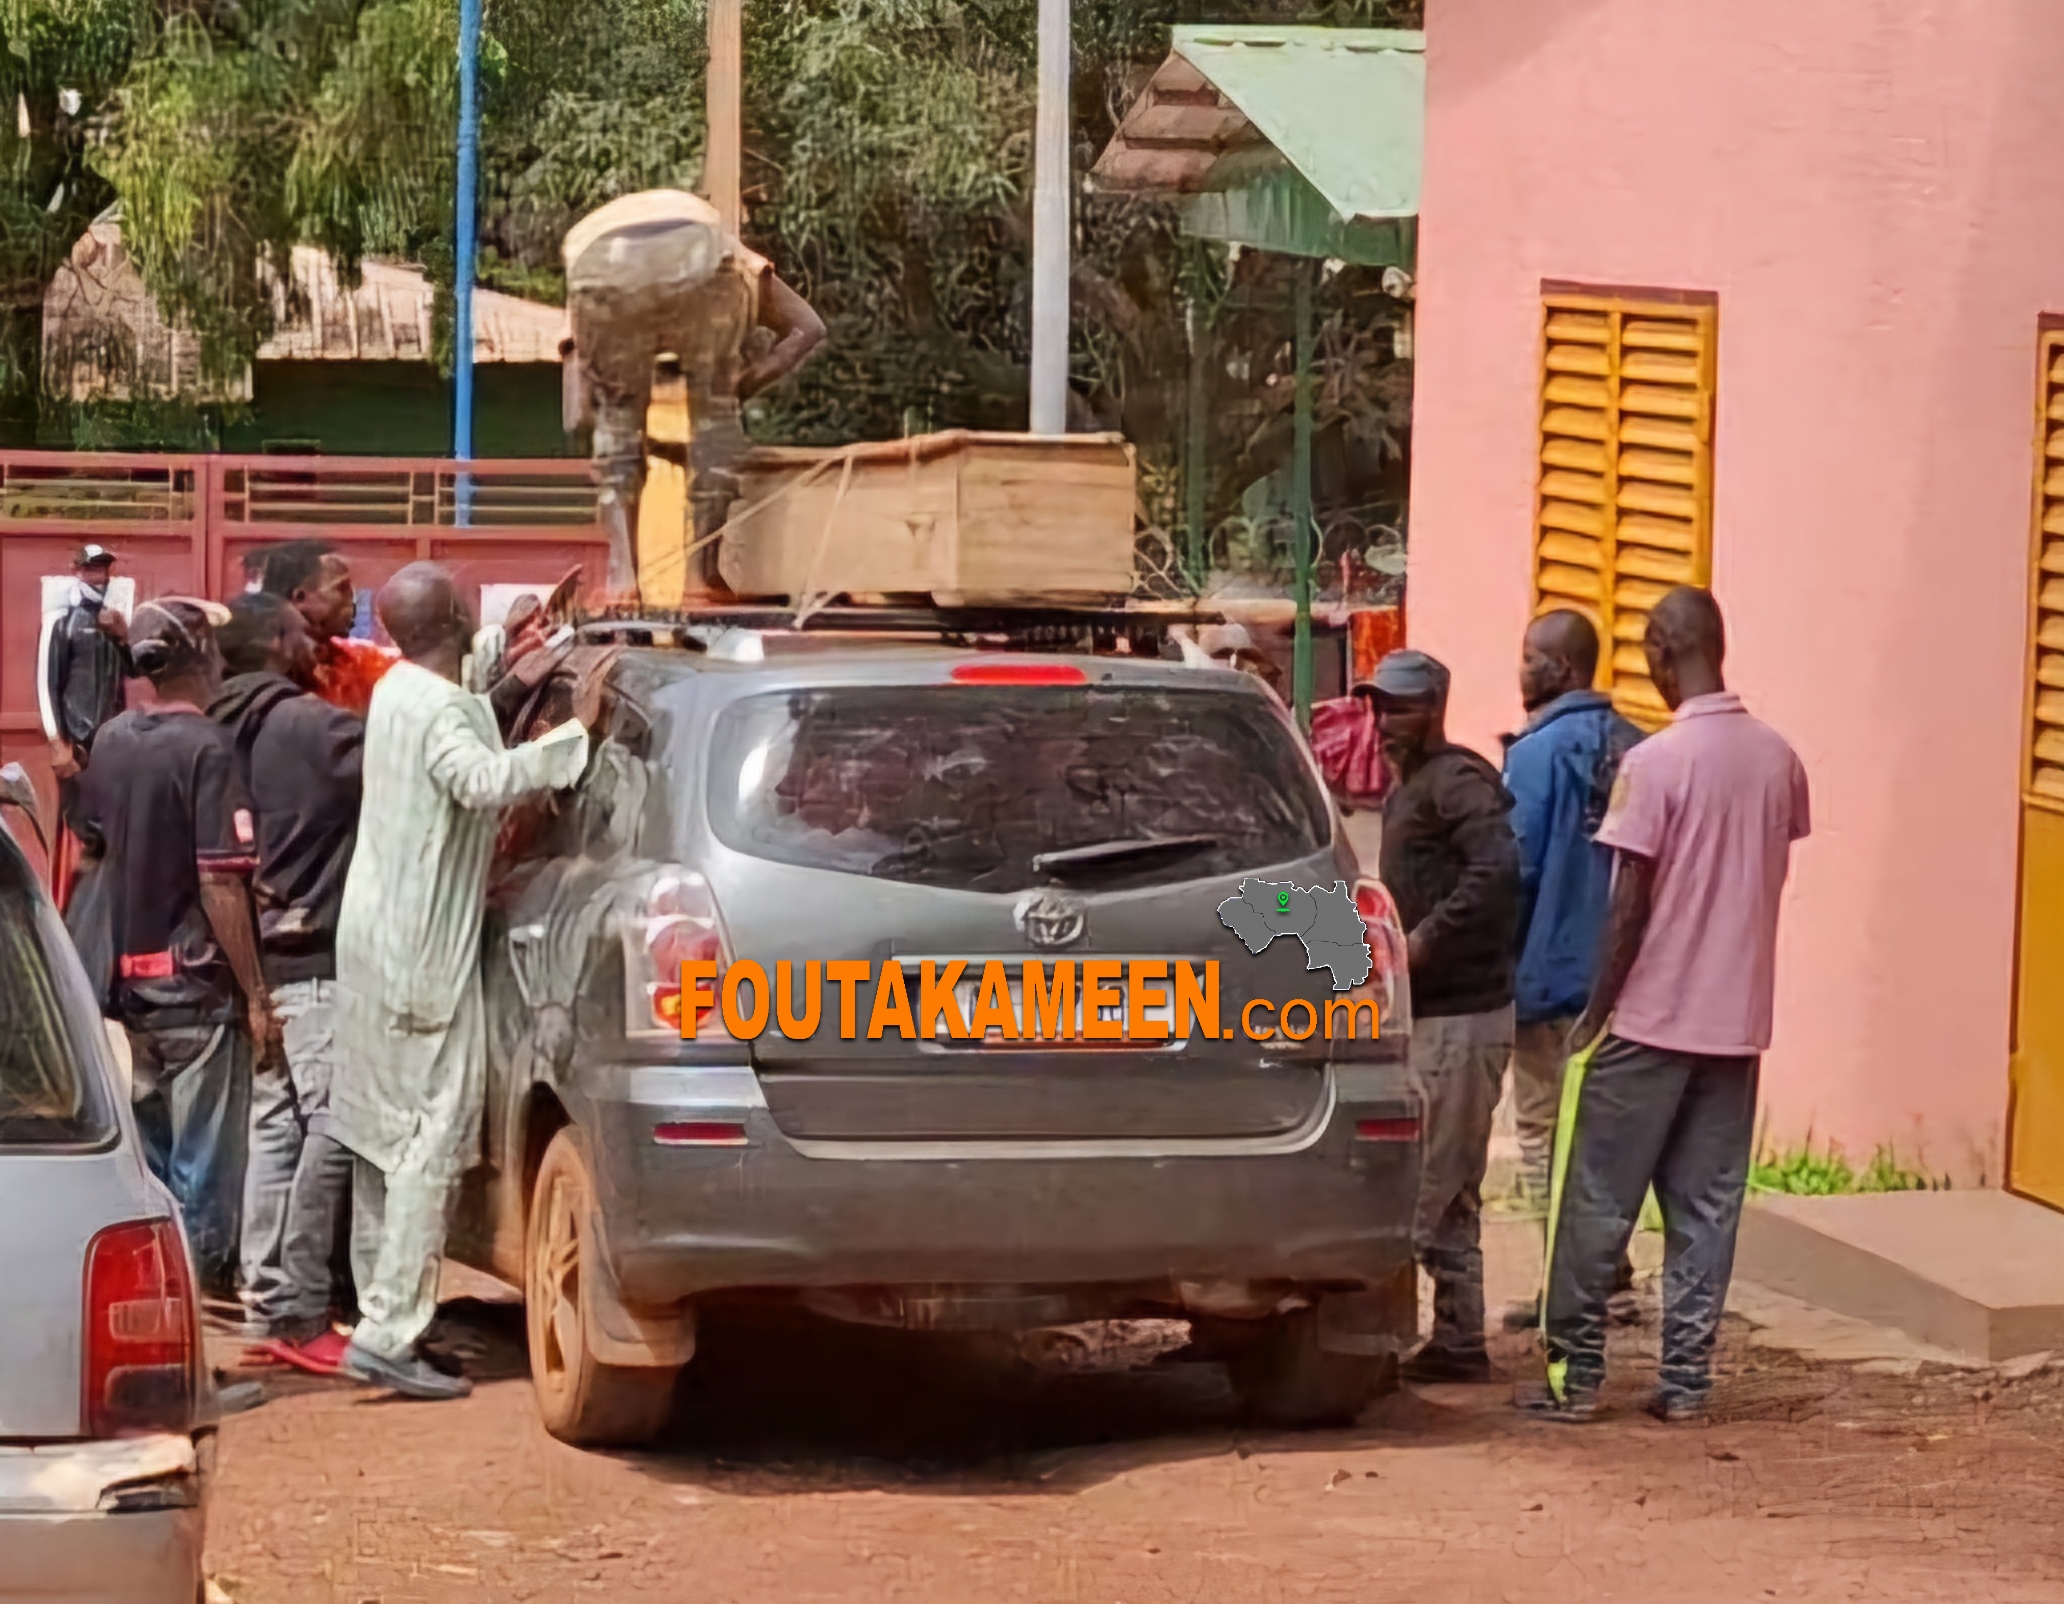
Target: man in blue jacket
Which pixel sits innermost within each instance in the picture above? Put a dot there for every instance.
(1560, 771)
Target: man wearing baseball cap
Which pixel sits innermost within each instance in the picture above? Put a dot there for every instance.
(87, 661)
(163, 797)
(1450, 860)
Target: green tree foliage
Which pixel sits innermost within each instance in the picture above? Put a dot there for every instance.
(254, 125)
(59, 59)
(888, 175)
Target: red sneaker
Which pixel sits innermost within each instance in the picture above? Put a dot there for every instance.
(320, 1356)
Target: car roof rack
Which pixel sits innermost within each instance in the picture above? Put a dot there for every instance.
(1143, 629)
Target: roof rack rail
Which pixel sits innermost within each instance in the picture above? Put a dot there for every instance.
(1144, 629)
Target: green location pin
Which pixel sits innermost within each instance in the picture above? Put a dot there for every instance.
(1282, 902)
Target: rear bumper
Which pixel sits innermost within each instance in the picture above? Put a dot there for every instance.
(1320, 1208)
(64, 1534)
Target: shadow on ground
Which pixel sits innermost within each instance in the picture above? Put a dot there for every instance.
(779, 1405)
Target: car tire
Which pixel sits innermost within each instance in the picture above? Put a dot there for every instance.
(1283, 1378)
(583, 1401)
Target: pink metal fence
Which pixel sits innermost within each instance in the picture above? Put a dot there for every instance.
(185, 524)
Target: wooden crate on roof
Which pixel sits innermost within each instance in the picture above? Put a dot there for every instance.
(968, 519)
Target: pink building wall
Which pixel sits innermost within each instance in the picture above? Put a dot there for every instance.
(1870, 188)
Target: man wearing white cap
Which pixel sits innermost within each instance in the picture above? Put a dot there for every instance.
(88, 659)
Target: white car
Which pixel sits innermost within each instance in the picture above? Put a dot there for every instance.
(104, 1395)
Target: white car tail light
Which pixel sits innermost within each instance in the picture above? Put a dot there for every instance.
(1389, 985)
(677, 923)
(143, 1339)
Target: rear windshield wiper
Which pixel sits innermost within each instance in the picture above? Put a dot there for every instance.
(1071, 861)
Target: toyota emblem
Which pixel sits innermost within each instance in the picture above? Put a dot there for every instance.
(1051, 921)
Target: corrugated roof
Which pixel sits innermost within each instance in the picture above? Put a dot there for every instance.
(104, 337)
(1346, 107)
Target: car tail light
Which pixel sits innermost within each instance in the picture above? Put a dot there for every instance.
(1019, 674)
(1389, 983)
(1386, 1130)
(676, 923)
(699, 1133)
(143, 1339)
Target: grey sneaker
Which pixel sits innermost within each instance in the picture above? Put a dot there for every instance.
(412, 1377)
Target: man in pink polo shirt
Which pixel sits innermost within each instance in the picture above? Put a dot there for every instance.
(1701, 822)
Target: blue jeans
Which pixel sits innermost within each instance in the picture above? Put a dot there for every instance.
(300, 1203)
(192, 1088)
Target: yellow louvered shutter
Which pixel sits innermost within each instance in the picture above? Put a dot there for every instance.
(1625, 510)
(2045, 772)
(2035, 1138)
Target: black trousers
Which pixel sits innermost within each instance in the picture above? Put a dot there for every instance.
(1684, 1123)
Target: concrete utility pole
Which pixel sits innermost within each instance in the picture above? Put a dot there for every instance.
(1052, 183)
(723, 150)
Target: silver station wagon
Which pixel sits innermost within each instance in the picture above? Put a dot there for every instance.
(103, 1390)
(820, 798)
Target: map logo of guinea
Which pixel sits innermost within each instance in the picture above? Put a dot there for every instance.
(1323, 918)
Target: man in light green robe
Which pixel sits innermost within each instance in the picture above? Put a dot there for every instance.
(411, 1029)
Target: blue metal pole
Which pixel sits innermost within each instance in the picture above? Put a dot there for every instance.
(1301, 501)
(468, 248)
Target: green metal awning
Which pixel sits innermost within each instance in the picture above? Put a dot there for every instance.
(1305, 140)
(1281, 211)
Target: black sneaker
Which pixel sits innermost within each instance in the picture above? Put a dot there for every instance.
(1676, 1408)
(1522, 1316)
(1578, 1406)
(1432, 1366)
(411, 1377)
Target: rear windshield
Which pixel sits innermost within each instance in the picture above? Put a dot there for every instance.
(970, 786)
(47, 1097)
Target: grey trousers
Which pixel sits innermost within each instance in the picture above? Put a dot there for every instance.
(1458, 1062)
(275, 1153)
(1539, 1051)
(1683, 1122)
(300, 1177)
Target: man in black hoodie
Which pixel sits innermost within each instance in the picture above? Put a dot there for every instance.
(1452, 862)
(300, 759)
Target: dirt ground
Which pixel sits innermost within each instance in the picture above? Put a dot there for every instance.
(834, 1464)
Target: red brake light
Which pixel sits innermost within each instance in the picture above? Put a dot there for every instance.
(142, 1336)
(699, 1133)
(1386, 1130)
(1018, 674)
(1387, 985)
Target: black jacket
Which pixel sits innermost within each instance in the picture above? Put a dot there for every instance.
(301, 761)
(1452, 863)
(86, 668)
